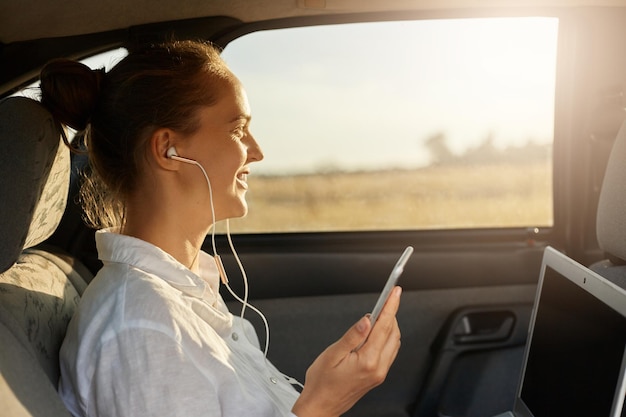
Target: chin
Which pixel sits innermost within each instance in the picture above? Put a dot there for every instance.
(236, 212)
(244, 212)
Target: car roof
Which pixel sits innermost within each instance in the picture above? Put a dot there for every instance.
(35, 31)
(37, 19)
(45, 19)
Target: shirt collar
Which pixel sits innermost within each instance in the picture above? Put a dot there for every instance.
(115, 247)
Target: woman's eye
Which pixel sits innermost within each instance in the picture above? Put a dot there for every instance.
(239, 132)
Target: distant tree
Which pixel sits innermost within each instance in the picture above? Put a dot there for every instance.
(440, 153)
(484, 153)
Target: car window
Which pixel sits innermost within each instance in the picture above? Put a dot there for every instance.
(104, 60)
(409, 125)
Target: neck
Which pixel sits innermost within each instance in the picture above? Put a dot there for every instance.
(157, 223)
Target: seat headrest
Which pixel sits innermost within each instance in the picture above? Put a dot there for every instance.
(611, 217)
(34, 177)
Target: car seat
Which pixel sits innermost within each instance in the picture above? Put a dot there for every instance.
(39, 290)
(611, 216)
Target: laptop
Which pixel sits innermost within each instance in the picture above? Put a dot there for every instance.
(574, 362)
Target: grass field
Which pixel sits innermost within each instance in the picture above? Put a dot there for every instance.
(428, 198)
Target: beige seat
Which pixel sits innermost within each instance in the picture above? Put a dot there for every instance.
(39, 290)
(611, 217)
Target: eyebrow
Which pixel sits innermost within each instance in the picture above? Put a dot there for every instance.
(241, 116)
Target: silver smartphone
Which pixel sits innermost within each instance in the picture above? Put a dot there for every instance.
(391, 283)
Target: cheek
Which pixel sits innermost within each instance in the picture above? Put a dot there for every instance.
(224, 177)
(224, 164)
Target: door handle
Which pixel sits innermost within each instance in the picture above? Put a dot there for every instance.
(484, 327)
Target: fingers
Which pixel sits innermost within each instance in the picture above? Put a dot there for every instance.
(354, 337)
(384, 338)
(340, 376)
(390, 350)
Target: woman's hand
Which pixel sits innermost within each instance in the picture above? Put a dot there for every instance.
(341, 375)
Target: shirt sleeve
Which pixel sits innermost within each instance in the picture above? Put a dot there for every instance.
(142, 372)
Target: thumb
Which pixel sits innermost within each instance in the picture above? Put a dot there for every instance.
(353, 338)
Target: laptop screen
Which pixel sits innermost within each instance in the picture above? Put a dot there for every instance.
(575, 357)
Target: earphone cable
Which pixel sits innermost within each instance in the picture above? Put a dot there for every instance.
(244, 301)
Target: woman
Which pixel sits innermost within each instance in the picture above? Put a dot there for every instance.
(167, 131)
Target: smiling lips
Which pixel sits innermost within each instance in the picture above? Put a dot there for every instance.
(242, 179)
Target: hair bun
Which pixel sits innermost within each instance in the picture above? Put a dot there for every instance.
(70, 91)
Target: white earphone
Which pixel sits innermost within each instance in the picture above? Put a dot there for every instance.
(171, 152)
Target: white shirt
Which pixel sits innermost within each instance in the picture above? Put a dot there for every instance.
(151, 338)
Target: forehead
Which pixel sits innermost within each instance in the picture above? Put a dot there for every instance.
(232, 98)
(230, 106)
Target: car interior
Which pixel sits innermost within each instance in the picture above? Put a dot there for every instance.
(468, 291)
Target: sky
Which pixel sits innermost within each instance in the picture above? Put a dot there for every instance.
(369, 95)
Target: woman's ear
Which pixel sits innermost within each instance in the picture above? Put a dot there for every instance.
(161, 140)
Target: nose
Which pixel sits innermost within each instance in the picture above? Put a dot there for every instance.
(255, 154)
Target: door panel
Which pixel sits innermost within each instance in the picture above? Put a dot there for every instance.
(313, 288)
(306, 266)
(477, 359)
(301, 327)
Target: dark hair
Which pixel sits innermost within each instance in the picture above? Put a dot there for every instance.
(152, 87)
